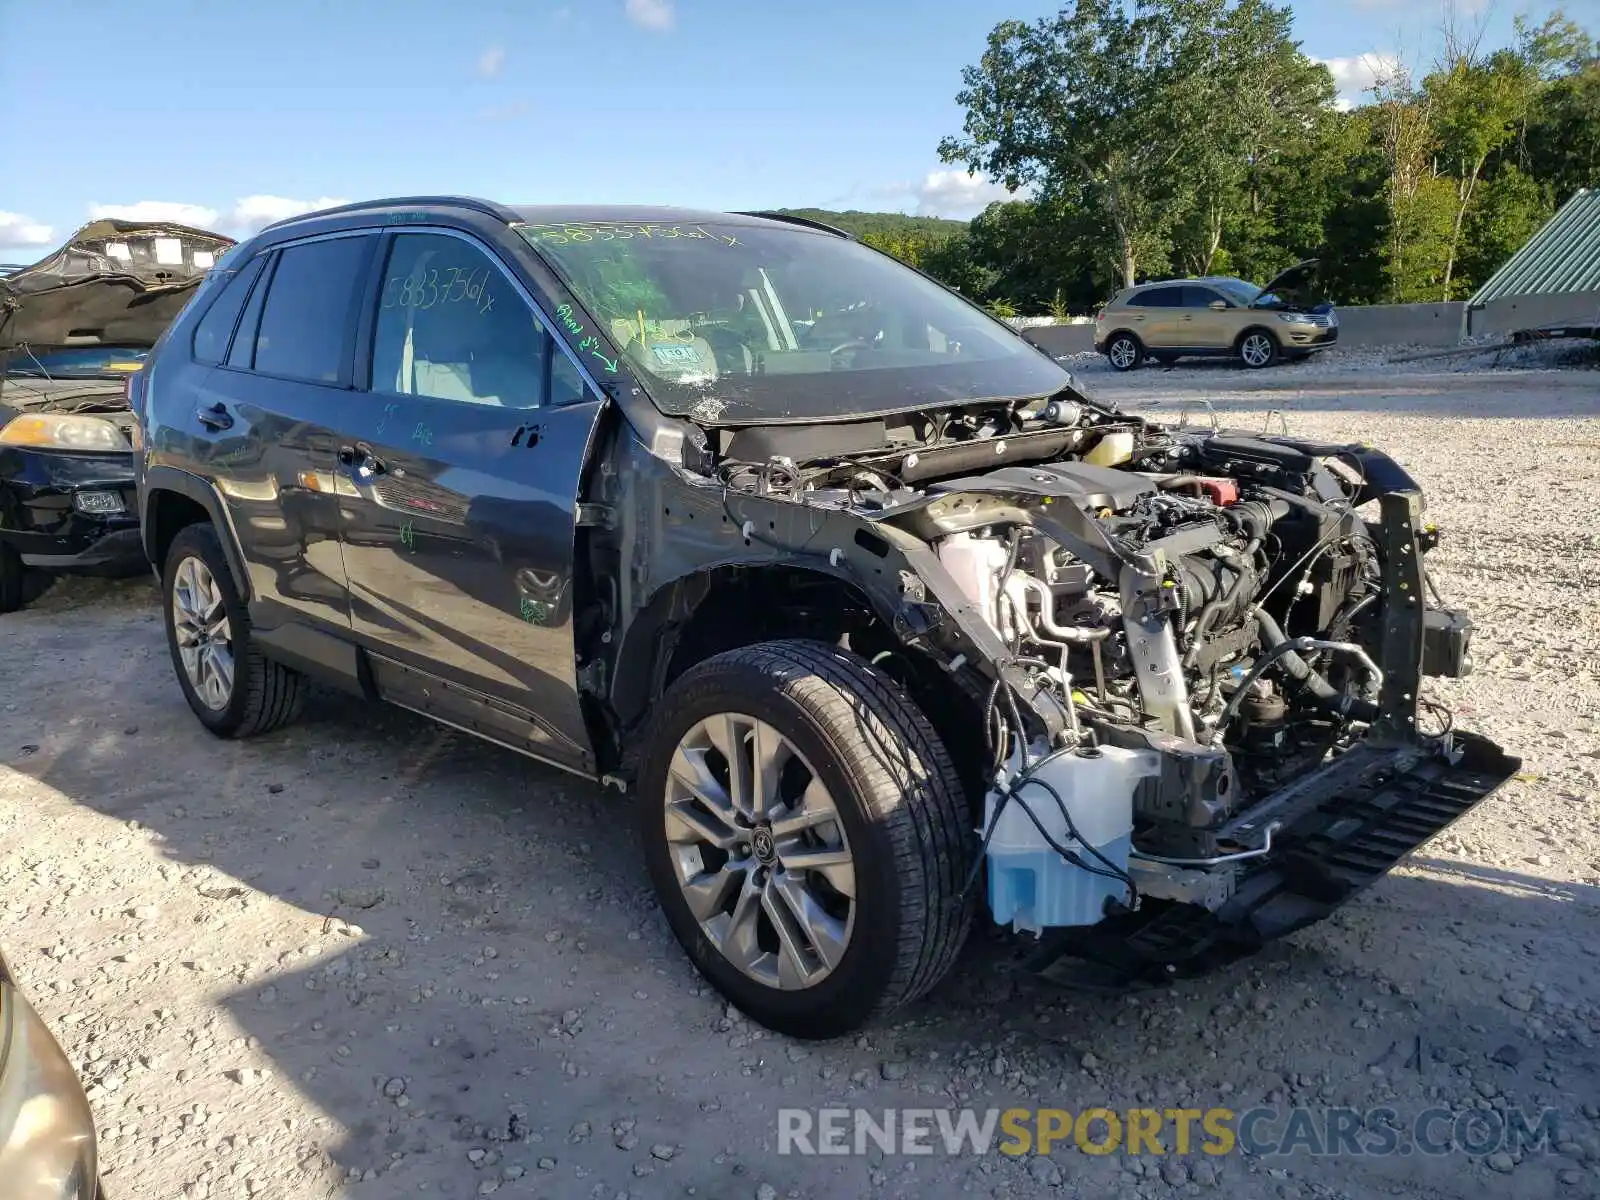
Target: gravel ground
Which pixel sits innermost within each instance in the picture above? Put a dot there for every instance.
(368, 957)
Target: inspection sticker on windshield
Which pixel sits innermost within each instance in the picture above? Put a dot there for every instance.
(676, 354)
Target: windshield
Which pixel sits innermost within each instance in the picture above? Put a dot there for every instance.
(738, 322)
(75, 362)
(1237, 290)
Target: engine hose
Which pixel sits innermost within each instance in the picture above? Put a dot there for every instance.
(1208, 614)
(1322, 692)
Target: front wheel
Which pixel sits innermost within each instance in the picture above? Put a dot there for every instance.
(807, 835)
(1258, 348)
(13, 580)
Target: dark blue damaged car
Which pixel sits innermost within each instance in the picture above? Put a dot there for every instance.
(883, 622)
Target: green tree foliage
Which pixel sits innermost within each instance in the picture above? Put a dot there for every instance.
(1193, 136)
(1151, 117)
(1508, 211)
(1473, 106)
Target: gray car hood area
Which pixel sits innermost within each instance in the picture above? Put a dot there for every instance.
(113, 282)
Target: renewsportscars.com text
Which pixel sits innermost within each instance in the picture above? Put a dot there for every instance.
(1156, 1131)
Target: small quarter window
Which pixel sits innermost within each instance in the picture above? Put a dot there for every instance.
(215, 330)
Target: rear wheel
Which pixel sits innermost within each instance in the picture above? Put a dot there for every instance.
(1258, 348)
(807, 835)
(1124, 352)
(232, 687)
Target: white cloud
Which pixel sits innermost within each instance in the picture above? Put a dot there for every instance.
(652, 14)
(157, 210)
(955, 193)
(251, 213)
(1353, 77)
(17, 230)
(490, 61)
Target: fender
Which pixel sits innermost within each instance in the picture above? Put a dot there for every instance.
(158, 479)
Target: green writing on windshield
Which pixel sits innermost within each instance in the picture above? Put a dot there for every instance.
(569, 232)
(589, 345)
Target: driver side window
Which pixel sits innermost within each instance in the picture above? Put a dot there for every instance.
(451, 326)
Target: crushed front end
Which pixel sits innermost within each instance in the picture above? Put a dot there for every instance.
(1198, 655)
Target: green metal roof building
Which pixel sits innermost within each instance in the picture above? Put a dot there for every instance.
(1554, 280)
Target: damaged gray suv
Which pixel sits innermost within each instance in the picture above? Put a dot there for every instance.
(881, 619)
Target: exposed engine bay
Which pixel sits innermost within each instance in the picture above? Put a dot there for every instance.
(1198, 655)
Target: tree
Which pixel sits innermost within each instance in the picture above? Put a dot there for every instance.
(1074, 104)
(1256, 97)
(1561, 129)
(1031, 251)
(1146, 118)
(1509, 210)
(1419, 204)
(1474, 105)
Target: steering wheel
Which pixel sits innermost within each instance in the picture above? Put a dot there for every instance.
(852, 344)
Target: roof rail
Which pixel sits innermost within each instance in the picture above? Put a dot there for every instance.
(488, 207)
(792, 219)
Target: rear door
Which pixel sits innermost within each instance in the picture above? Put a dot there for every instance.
(266, 417)
(1154, 314)
(464, 460)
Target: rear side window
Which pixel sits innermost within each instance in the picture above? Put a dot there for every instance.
(215, 330)
(1162, 297)
(306, 326)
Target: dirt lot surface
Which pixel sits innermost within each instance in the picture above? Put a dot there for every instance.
(368, 957)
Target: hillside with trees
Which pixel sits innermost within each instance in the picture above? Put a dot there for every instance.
(1195, 136)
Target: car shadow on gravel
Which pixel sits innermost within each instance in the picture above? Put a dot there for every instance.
(453, 955)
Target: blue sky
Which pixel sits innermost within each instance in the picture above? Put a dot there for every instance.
(229, 114)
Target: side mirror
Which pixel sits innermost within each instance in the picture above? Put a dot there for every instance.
(1219, 305)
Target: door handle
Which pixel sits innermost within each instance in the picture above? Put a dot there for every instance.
(215, 417)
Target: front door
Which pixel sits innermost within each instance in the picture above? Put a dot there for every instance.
(1201, 327)
(464, 464)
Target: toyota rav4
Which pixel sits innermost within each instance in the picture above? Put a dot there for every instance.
(879, 617)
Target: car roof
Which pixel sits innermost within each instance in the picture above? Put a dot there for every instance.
(608, 214)
(559, 214)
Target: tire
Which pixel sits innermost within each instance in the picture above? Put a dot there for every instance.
(1258, 348)
(13, 580)
(896, 806)
(1126, 348)
(261, 695)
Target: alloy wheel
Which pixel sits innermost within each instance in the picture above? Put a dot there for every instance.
(1256, 350)
(760, 852)
(1123, 353)
(205, 637)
